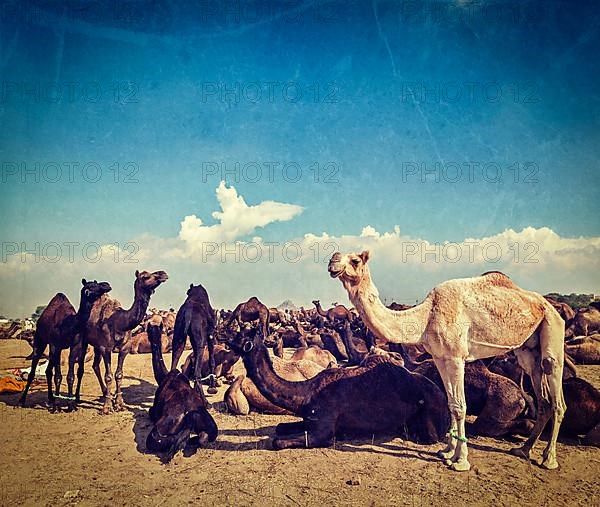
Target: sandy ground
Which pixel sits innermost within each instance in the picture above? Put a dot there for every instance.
(88, 459)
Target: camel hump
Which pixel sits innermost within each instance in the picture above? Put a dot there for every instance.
(495, 273)
(59, 298)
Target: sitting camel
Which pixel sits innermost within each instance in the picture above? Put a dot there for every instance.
(464, 320)
(60, 327)
(343, 401)
(584, 349)
(585, 322)
(315, 354)
(224, 358)
(243, 394)
(497, 401)
(178, 410)
(582, 418)
(140, 343)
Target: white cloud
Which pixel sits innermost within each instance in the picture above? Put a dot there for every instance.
(404, 268)
(235, 220)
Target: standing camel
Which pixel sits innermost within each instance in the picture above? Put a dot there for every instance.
(196, 319)
(109, 327)
(60, 326)
(251, 310)
(467, 319)
(338, 312)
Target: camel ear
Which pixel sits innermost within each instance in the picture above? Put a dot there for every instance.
(83, 281)
(137, 273)
(191, 285)
(365, 256)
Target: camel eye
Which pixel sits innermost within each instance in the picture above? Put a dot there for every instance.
(355, 262)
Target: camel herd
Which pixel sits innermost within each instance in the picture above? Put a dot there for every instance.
(478, 346)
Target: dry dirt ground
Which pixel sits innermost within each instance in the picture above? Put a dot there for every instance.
(88, 459)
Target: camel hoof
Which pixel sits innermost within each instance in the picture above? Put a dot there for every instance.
(106, 410)
(550, 464)
(447, 461)
(520, 453)
(460, 466)
(445, 455)
(212, 390)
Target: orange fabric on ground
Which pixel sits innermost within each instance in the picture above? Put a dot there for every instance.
(11, 385)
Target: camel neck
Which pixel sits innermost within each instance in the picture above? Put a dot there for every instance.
(406, 326)
(134, 315)
(320, 310)
(281, 392)
(353, 353)
(158, 364)
(83, 314)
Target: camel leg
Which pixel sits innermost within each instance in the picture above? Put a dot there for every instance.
(80, 370)
(119, 405)
(592, 437)
(528, 360)
(212, 385)
(290, 428)
(452, 372)
(316, 434)
(54, 356)
(38, 351)
(552, 331)
(96, 368)
(106, 356)
(57, 373)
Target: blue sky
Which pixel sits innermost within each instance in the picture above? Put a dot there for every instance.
(532, 69)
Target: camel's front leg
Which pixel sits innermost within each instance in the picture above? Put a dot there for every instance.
(452, 372)
(119, 405)
(106, 356)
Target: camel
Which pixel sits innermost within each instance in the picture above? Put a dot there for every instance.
(497, 401)
(251, 310)
(196, 319)
(464, 320)
(60, 327)
(178, 410)
(584, 349)
(346, 401)
(225, 359)
(315, 354)
(583, 411)
(140, 343)
(585, 322)
(243, 394)
(338, 312)
(109, 328)
(564, 310)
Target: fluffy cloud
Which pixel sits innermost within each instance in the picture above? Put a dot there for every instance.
(404, 268)
(235, 220)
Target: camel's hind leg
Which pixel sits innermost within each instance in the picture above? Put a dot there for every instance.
(452, 372)
(552, 350)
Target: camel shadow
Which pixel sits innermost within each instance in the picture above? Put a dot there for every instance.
(138, 399)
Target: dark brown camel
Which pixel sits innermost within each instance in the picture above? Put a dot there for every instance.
(60, 327)
(225, 360)
(498, 402)
(109, 328)
(249, 311)
(178, 410)
(582, 418)
(347, 401)
(196, 319)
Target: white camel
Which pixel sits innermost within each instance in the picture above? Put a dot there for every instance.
(464, 320)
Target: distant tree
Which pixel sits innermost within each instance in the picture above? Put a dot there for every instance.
(574, 300)
(38, 311)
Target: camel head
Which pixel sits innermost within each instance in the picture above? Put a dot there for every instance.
(93, 290)
(245, 339)
(196, 291)
(350, 268)
(148, 282)
(316, 302)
